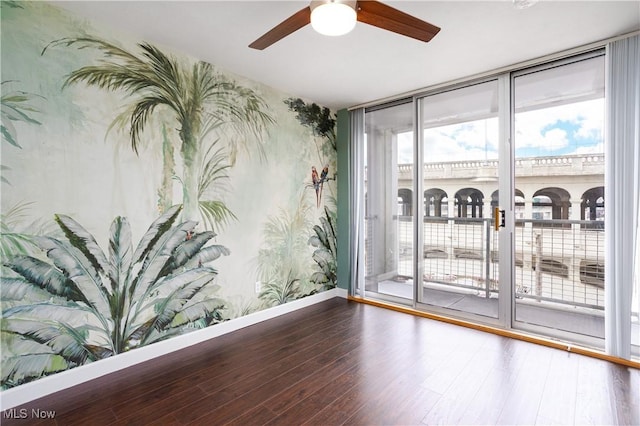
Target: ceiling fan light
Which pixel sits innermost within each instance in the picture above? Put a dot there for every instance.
(333, 18)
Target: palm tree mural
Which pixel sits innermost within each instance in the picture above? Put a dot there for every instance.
(85, 305)
(281, 292)
(15, 106)
(200, 99)
(280, 266)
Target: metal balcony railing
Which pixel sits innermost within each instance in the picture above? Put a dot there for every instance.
(560, 261)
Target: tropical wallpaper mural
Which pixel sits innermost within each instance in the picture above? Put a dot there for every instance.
(146, 194)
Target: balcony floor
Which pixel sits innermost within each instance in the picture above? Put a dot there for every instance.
(581, 321)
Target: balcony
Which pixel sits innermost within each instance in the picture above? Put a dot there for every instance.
(558, 270)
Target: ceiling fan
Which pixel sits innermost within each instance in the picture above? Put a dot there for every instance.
(370, 12)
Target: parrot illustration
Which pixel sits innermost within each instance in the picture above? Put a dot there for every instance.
(316, 184)
(318, 181)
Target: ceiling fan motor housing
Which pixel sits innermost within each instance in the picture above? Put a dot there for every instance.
(333, 17)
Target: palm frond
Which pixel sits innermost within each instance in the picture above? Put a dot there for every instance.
(326, 253)
(185, 251)
(325, 261)
(120, 261)
(83, 241)
(168, 76)
(188, 284)
(14, 215)
(193, 312)
(16, 236)
(275, 293)
(140, 115)
(215, 214)
(164, 287)
(155, 231)
(153, 74)
(78, 269)
(15, 243)
(109, 50)
(19, 369)
(14, 106)
(213, 168)
(239, 108)
(160, 254)
(63, 340)
(120, 253)
(63, 312)
(206, 255)
(19, 290)
(285, 238)
(44, 276)
(320, 277)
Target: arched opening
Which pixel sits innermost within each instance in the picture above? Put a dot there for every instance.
(592, 206)
(434, 198)
(405, 202)
(468, 202)
(551, 204)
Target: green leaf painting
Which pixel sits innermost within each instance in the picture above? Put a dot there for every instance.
(145, 192)
(99, 304)
(325, 254)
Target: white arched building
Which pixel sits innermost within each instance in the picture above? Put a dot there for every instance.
(559, 238)
(566, 187)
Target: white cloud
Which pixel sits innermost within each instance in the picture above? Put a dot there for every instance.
(587, 116)
(554, 139)
(538, 129)
(474, 140)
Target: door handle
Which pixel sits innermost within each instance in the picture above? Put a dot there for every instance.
(498, 218)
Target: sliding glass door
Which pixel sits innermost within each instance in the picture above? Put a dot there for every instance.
(388, 197)
(558, 118)
(485, 200)
(458, 186)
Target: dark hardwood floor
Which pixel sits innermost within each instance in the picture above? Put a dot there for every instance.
(342, 362)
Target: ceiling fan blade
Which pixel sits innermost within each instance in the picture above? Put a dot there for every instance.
(283, 29)
(386, 17)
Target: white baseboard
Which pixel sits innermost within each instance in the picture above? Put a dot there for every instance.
(47, 385)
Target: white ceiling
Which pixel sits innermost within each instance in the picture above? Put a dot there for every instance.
(369, 63)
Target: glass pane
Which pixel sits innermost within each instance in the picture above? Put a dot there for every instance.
(389, 197)
(559, 173)
(460, 139)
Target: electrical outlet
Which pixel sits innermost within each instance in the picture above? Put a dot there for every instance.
(258, 286)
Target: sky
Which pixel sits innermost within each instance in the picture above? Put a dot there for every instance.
(569, 129)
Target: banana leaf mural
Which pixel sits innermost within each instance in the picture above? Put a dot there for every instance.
(325, 254)
(90, 305)
(97, 126)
